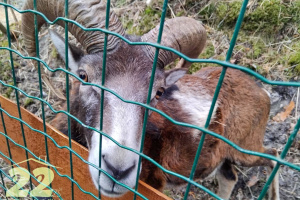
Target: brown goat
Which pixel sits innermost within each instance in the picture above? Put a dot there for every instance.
(241, 115)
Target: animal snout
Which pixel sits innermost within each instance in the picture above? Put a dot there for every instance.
(116, 172)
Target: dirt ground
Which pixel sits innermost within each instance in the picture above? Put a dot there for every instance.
(285, 106)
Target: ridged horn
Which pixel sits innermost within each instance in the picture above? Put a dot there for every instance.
(184, 34)
(90, 14)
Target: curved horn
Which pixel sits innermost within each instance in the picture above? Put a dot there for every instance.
(184, 34)
(90, 14)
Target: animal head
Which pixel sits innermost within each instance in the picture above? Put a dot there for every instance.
(128, 72)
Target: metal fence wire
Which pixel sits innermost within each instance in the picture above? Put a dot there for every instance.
(225, 64)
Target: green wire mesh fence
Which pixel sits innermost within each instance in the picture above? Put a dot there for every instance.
(225, 64)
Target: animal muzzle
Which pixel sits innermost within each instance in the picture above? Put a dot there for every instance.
(116, 162)
(125, 176)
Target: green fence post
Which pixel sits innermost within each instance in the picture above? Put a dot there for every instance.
(217, 91)
(15, 84)
(162, 21)
(282, 156)
(37, 46)
(107, 14)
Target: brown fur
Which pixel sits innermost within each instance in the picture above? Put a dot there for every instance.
(241, 116)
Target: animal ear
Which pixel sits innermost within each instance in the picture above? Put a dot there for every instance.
(174, 75)
(74, 53)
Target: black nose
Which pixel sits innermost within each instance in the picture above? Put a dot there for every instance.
(116, 173)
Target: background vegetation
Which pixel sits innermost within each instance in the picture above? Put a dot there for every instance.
(269, 40)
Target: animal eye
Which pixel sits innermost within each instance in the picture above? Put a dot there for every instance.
(83, 75)
(159, 92)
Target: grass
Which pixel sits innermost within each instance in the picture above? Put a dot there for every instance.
(268, 17)
(268, 41)
(5, 74)
(145, 21)
(294, 59)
